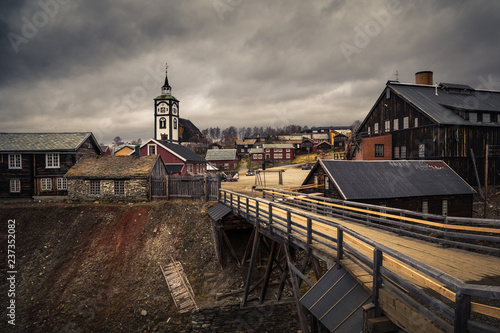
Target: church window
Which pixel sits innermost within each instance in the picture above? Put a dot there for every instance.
(163, 123)
(175, 123)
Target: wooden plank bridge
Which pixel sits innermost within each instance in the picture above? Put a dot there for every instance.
(420, 286)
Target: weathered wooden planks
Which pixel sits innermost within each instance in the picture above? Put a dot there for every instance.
(179, 287)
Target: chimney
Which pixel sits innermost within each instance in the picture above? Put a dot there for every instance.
(424, 77)
(137, 150)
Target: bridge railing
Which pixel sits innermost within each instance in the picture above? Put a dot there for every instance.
(443, 299)
(468, 233)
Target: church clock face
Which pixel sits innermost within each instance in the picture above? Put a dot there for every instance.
(163, 108)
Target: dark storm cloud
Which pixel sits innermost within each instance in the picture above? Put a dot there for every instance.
(98, 65)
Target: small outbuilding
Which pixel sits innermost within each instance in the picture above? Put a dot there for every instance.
(223, 159)
(430, 187)
(117, 177)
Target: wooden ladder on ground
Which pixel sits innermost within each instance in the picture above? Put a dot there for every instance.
(179, 286)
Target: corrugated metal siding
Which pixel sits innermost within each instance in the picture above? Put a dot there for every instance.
(219, 211)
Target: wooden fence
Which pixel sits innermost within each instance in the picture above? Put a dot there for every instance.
(449, 306)
(205, 187)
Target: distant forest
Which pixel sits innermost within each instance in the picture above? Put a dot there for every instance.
(227, 136)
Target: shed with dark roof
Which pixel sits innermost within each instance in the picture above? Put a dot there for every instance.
(425, 186)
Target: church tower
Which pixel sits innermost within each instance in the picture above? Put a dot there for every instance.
(166, 114)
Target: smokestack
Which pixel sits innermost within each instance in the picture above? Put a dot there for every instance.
(137, 150)
(424, 77)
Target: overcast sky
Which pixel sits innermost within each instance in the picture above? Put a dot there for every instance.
(74, 65)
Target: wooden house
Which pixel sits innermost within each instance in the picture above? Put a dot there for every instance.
(222, 159)
(175, 156)
(323, 147)
(117, 178)
(425, 186)
(449, 122)
(243, 146)
(273, 152)
(34, 164)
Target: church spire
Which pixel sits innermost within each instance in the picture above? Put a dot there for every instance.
(166, 89)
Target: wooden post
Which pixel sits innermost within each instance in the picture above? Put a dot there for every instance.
(257, 215)
(309, 234)
(206, 188)
(340, 245)
(255, 247)
(462, 312)
(270, 213)
(486, 183)
(296, 294)
(289, 226)
(269, 269)
(377, 280)
(247, 209)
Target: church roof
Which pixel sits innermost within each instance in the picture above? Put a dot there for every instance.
(167, 97)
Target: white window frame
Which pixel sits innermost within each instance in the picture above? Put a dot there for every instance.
(288, 150)
(120, 186)
(444, 207)
(15, 186)
(62, 183)
(387, 126)
(403, 152)
(425, 206)
(396, 152)
(327, 183)
(46, 184)
(375, 128)
(416, 122)
(288, 156)
(15, 161)
(395, 124)
(406, 122)
(486, 118)
(95, 187)
(369, 130)
(473, 117)
(149, 149)
(421, 150)
(52, 161)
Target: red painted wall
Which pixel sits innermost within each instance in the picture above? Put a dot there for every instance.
(367, 152)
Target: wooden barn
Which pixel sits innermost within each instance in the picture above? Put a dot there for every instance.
(449, 122)
(34, 164)
(117, 177)
(430, 187)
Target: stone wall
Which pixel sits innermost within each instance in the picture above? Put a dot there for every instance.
(268, 317)
(135, 189)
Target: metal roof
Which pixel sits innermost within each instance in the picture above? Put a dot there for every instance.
(221, 155)
(32, 142)
(337, 300)
(219, 211)
(358, 180)
(439, 107)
